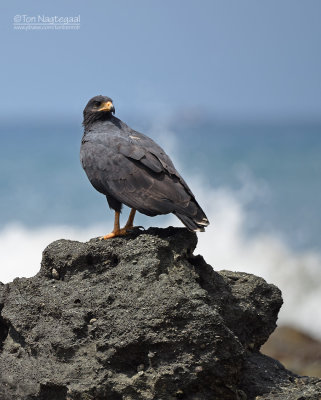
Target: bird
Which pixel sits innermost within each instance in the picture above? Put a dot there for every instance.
(130, 168)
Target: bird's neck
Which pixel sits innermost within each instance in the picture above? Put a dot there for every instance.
(94, 117)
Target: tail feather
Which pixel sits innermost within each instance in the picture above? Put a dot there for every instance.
(195, 223)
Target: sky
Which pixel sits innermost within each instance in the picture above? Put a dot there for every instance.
(229, 59)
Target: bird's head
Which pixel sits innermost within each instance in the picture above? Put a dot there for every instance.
(98, 108)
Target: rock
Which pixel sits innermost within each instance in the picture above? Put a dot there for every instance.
(140, 318)
(264, 378)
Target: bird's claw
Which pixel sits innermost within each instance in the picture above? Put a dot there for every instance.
(122, 232)
(133, 228)
(119, 232)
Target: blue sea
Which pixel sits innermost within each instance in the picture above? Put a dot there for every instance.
(259, 183)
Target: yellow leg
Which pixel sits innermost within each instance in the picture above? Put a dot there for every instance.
(117, 231)
(130, 221)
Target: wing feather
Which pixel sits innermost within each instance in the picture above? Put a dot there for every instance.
(137, 172)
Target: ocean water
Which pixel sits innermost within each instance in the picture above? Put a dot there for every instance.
(259, 184)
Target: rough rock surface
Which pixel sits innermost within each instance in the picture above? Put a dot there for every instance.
(136, 318)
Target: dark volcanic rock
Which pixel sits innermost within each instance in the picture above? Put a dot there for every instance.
(138, 318)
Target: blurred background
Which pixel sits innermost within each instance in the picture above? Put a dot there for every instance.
(231, 90)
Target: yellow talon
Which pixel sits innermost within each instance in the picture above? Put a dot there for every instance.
(120, 232)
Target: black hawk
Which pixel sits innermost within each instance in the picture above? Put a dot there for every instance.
(130, 168)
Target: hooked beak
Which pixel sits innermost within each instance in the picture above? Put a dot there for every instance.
(107, 106)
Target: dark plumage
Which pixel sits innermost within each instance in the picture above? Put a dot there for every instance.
(130, 168)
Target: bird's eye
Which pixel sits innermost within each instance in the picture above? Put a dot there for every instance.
(97, 103)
